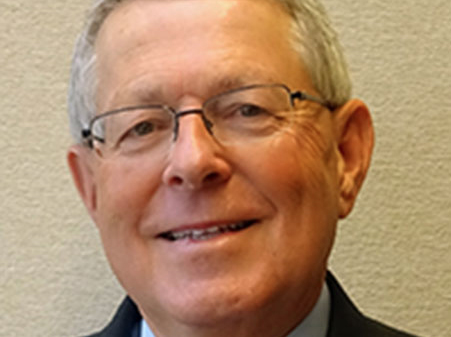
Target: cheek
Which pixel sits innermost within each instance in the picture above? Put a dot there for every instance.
(123, 191)
(299, 160)
(297, 174)
(123, 194)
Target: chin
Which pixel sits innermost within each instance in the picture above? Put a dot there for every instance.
(212, 304)
(215, 305)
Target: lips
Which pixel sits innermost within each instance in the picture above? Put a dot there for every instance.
(202, 234)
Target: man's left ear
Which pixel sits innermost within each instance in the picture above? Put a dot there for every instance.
(355, 140)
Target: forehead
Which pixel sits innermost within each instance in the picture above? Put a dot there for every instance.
(182, 42)
(169, 14)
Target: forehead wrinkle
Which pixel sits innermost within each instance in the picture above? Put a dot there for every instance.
(143, 92)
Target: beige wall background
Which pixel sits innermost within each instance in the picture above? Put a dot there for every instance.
(393, 255)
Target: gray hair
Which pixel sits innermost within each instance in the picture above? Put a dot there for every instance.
(313, 38)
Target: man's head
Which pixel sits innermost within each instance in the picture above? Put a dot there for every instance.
(310, 33)
(228, 225)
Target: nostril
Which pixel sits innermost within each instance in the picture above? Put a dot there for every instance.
(212, 177)
(176, 181)
(192, 182)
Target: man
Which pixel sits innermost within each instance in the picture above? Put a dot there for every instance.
(217, 147)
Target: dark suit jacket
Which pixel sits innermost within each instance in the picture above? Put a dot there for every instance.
(345, 319)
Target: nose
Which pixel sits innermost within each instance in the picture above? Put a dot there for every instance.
(196, 160)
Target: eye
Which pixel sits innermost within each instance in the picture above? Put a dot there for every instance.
(143, 128)
(251, 110)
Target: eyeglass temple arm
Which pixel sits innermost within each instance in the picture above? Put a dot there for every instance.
(302, 96)
(88, 138)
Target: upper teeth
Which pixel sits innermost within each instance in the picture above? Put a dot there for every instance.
(207, 233)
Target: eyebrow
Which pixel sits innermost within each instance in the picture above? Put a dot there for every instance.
(252, 76)
(147, 93)
(227, 83)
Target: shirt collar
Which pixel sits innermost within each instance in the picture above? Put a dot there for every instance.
(317, 322)
(314, 325)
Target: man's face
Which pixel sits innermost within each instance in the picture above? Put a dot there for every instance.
(180, 53)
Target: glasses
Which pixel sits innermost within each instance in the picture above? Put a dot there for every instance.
(237, 116)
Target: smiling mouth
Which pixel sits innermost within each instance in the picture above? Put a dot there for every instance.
(202, 234)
